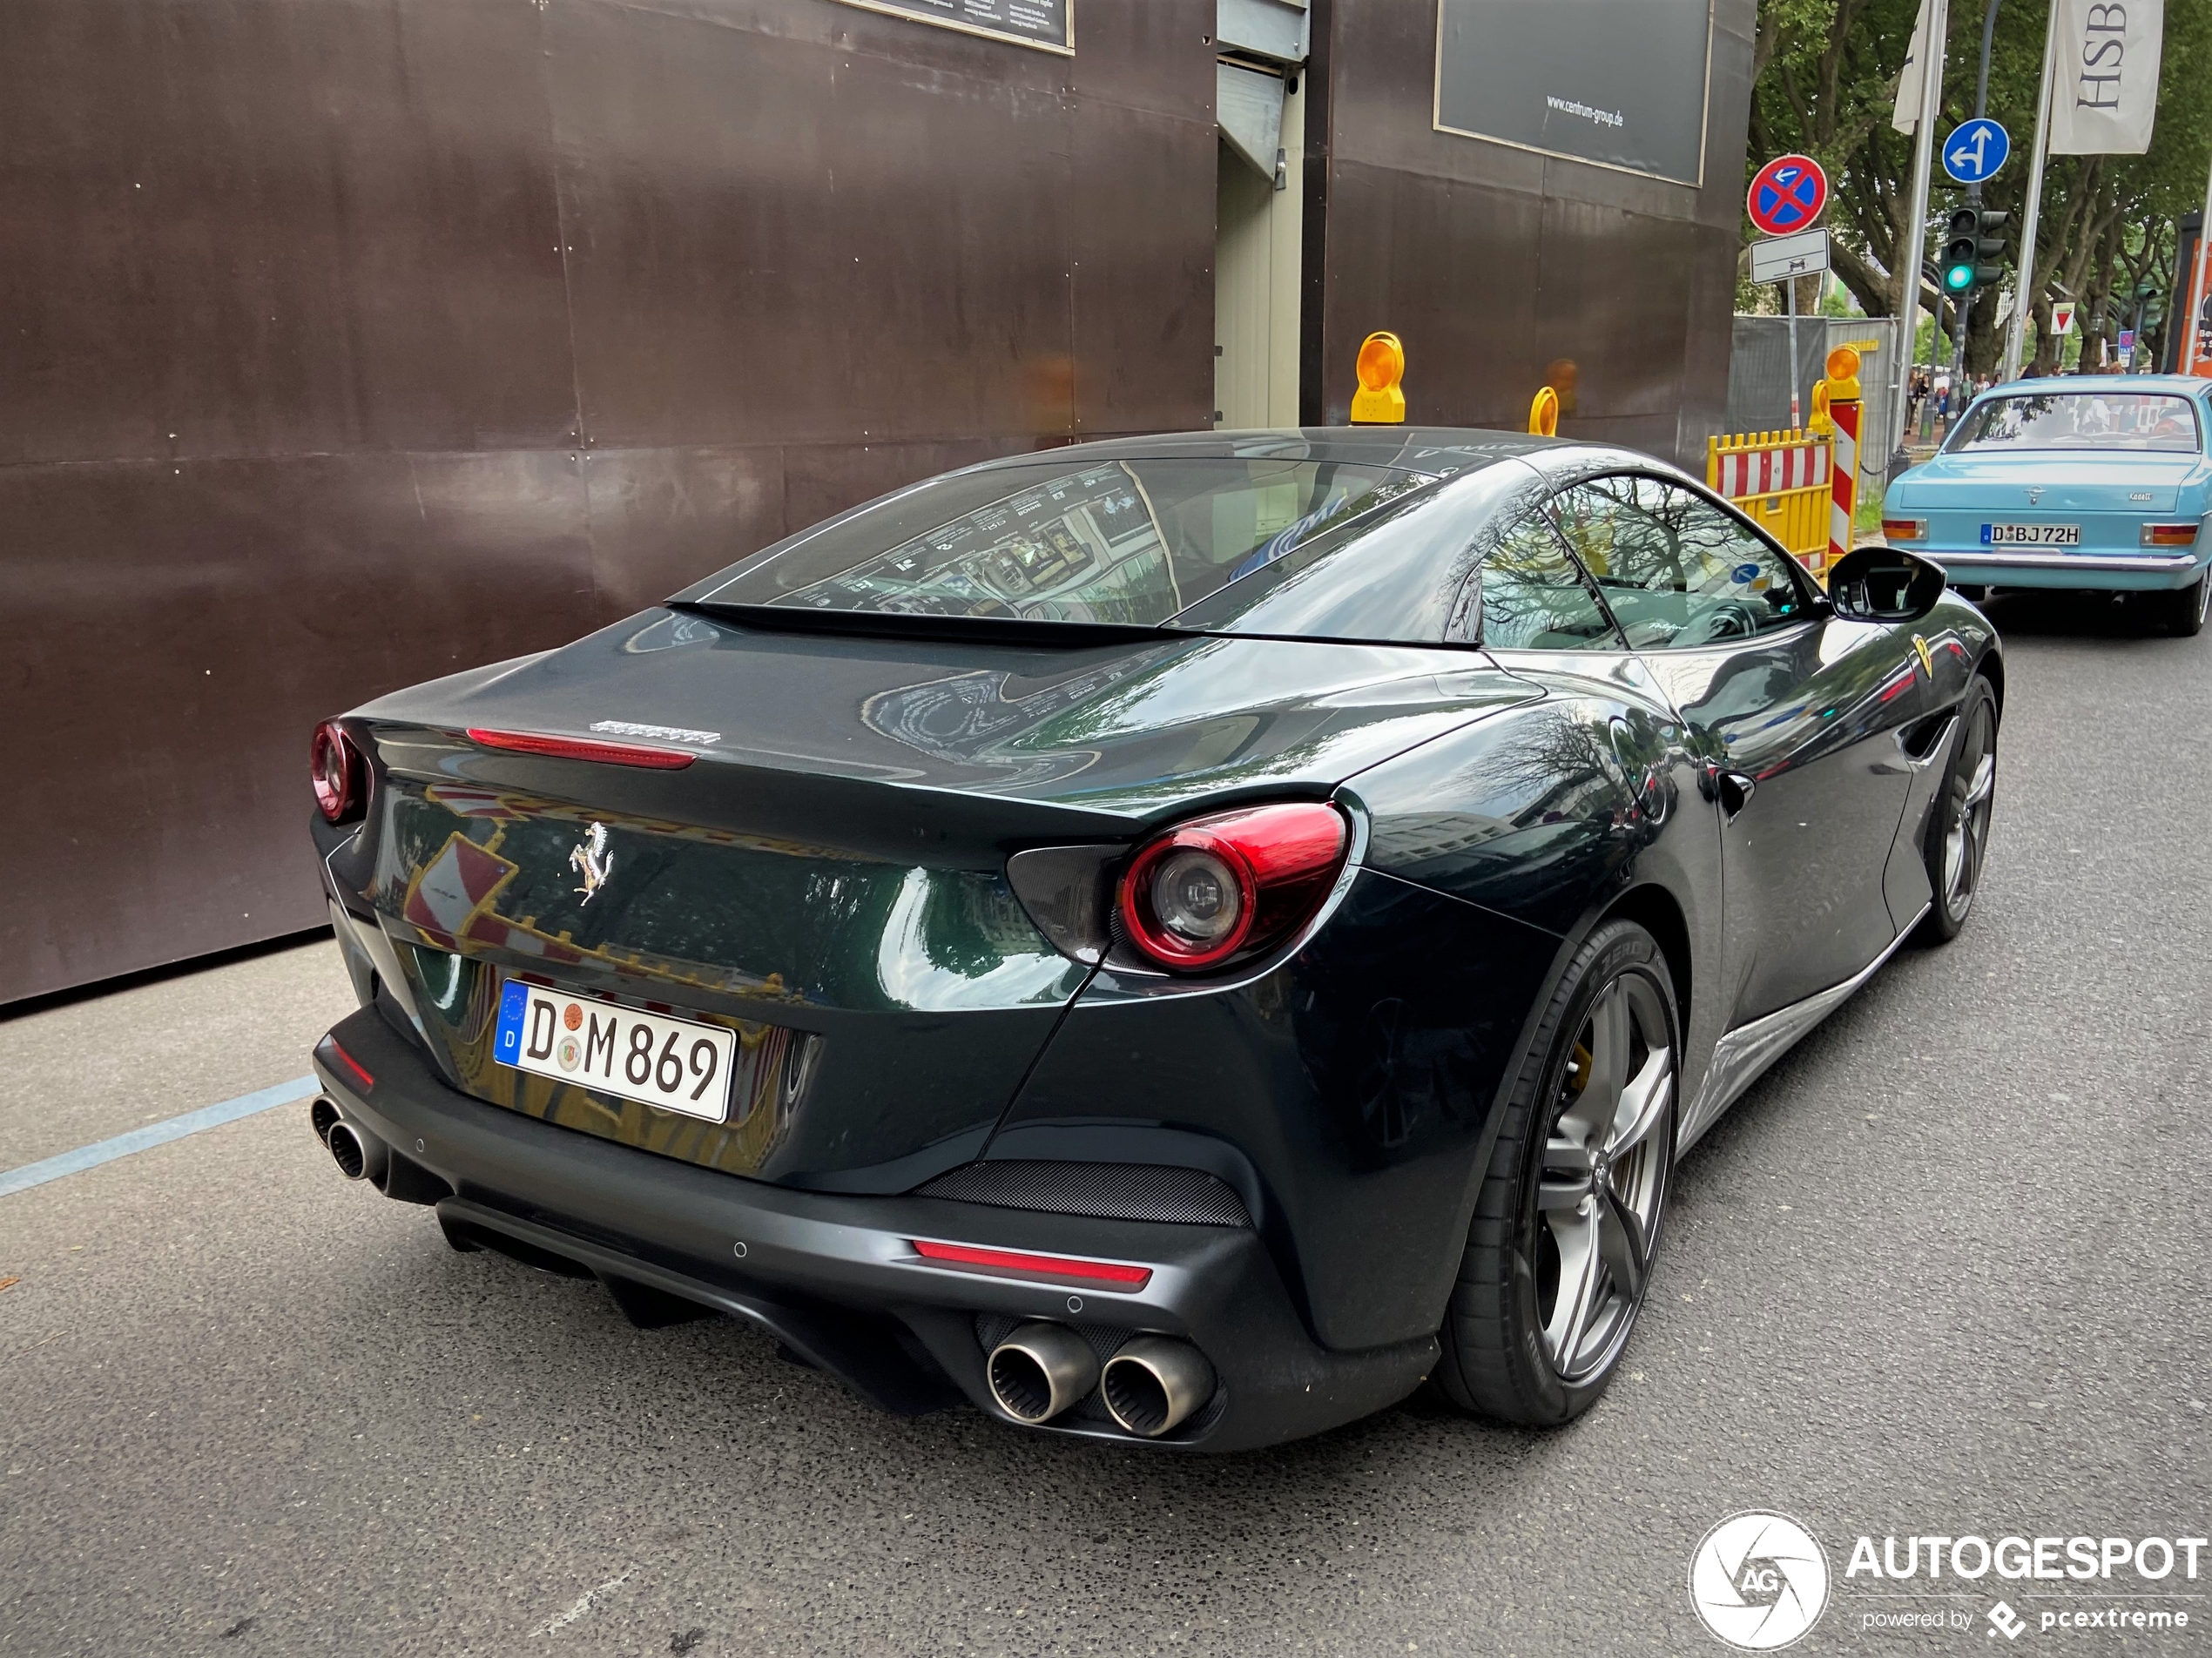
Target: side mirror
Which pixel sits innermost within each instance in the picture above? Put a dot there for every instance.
(1885, 584)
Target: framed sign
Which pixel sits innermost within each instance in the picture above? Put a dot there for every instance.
(1048, 25)
(1619, 84)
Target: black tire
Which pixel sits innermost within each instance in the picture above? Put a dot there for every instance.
(1959, 825)
(2185, 607)
(1505, 1324)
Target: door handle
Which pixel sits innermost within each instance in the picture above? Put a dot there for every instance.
(1734, 791)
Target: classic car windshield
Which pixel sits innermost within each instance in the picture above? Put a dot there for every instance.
(2137, 420)
(1128, 542)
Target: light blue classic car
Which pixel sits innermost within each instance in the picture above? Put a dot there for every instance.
(2100, 482)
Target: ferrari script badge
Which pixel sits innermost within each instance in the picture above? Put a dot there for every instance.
(592, 860)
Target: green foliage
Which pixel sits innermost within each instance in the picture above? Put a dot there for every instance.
(1826, 74)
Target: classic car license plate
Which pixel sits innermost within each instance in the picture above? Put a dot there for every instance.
(672, 1063)
(2031, 534)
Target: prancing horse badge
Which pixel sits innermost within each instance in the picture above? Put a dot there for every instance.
(592, 858)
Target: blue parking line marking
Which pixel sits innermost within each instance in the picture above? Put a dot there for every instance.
(155, 1134)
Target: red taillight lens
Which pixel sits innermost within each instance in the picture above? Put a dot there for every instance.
(339, 774)
(1905, 528)
(2169, 534)
(1200, 893)
(582, 748)
(1111, 1275)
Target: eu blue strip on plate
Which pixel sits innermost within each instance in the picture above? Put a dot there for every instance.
(513, 1002)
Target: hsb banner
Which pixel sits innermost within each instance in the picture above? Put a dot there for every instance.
(2105, 77)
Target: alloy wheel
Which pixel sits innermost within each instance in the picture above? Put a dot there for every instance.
(1973, 788)
(1604, 1178)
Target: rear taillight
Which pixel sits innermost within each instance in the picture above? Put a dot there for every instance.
(340, 775)
(1905, 528)
(583, 748)
(2169, 534)
(1218, 886)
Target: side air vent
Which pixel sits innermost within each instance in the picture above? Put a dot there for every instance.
(1113, 1191)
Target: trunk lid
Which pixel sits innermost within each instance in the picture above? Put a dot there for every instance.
(828, 877)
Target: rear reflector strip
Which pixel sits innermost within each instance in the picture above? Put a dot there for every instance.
(581, 748)
(360, 1071)
(1060, 1268)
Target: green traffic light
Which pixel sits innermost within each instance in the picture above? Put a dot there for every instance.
(1958, 277)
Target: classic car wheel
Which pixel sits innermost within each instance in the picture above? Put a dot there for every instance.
(2186, 608)
(1567, 1220)
(1959, 827)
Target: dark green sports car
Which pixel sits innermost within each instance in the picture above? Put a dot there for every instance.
(1177, 939)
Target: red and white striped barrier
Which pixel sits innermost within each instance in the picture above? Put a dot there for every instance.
(1766, 471)
(1844, 498)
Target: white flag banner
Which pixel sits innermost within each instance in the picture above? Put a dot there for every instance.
(2106, 85)
(1910, 83)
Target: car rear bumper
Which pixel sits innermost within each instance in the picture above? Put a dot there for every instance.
(836, 1277)
(2118, 571)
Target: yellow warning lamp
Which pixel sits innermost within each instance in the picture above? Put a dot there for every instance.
(1843, 376)
(1382, 364)
(1543, 413)
(1820, 421)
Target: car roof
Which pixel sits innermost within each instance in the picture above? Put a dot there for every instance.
(2187, 385)
(1416, 449)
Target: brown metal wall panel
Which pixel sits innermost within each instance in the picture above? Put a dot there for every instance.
(662, 518)
(172, 632)
(1452, 268)
(776, 241)
(275, 227)
(1499, 266)
(1143, 251)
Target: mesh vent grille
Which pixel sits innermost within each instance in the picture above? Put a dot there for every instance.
(1114, 1191)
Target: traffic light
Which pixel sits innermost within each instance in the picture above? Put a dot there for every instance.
(1973, 250)
(1989, 249)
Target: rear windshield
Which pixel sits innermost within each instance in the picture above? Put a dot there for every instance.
(2138, 420)
(1132, 543)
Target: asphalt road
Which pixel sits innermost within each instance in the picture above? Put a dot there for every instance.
(1943, 1271)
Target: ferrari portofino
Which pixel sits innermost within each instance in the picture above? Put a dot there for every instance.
(1177, 941)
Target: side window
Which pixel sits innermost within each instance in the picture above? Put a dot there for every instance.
(1676, 571)
(1533, 597)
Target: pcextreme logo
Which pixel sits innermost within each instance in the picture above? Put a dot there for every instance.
(1759, 1580)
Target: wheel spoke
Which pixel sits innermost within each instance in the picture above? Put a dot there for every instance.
(1643, 1103)
(1581, 1275)
(1610, 1028)
(1620, 1244)
(1985, 780)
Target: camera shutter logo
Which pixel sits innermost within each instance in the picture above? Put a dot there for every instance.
(1758, 1581)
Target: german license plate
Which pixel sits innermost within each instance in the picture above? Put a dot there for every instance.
(2031, 534)
(675, 1064)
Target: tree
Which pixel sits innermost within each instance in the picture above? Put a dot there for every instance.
(1826, 83)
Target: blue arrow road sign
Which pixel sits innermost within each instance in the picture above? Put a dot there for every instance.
(1972, 154)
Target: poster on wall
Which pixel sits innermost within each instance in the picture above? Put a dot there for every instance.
(1049, 25)
(1616, 83)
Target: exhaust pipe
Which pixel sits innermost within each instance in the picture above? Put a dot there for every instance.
(1040, 1370)
(322, 1114)
(1154, 1384)
(347, 1149)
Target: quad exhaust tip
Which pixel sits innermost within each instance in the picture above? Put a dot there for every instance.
(322, 1114)
(347, 1149)
(1040, 1370)
(1154, 1384)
